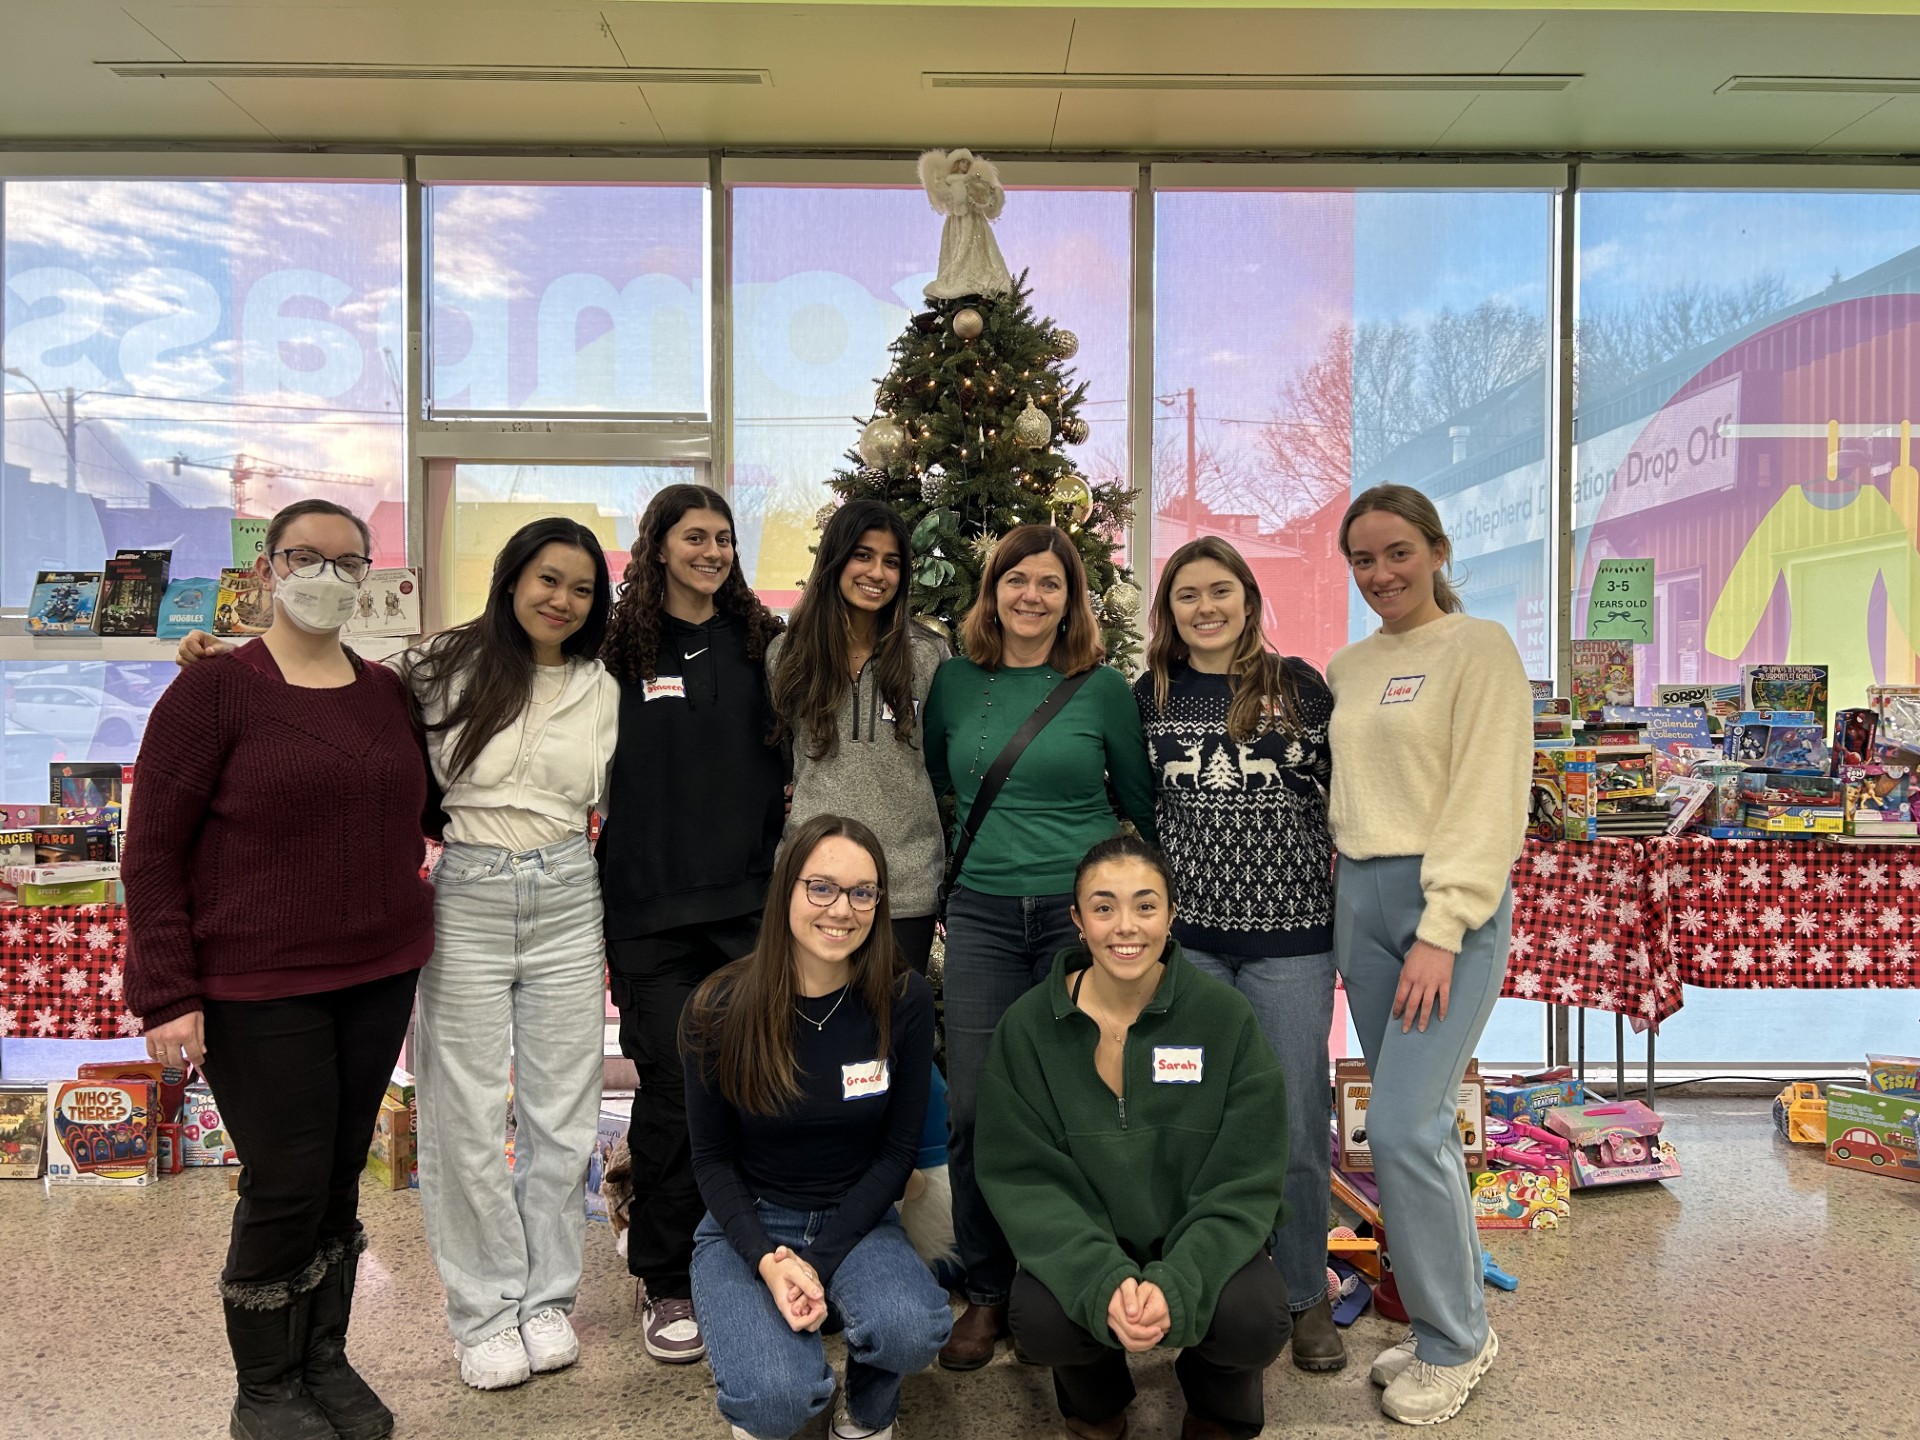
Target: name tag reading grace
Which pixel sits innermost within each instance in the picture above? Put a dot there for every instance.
(859, 1081)
(1402, 688)
(666, 687)
(1178, 1064)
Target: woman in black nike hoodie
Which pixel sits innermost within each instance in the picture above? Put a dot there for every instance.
(694, 814)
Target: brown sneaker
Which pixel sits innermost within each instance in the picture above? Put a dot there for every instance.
(1112, 1428)
(1317, 1342)
(974, 1333)
(1192, 1427)
(670, 1332)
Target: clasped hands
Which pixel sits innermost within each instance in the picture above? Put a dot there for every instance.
(797, 1292)
(1138, 1315)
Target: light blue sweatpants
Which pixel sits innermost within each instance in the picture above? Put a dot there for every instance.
(1424, 1197)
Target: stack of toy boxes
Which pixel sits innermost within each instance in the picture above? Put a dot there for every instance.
(1615, 1143)
(1720, 816)
(1790, 740)
(1625, 787)
(393, 1158)
(1782, 803)
(1873, 1129)
(1529, 1181)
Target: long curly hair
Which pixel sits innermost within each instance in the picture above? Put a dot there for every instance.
(1264, 692)
(811, 678)
(632, 647)
(481, 673)
(740, 1023)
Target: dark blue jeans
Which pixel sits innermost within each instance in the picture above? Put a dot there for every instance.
(998, 948)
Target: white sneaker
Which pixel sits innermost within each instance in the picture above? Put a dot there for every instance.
(550, 1341)
(1424, 1394)
(845, 1427)
(1388, 1364)
(495, 1363)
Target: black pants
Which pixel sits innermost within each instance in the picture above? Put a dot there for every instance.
(652, 978)
(914, 938)
(299, 1083)
(1220, 1377)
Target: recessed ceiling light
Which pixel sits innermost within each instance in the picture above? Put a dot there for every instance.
(315, 70)
(987, 80)
(1823, 85)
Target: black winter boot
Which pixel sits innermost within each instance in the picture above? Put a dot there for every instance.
(347, 1401)
(267, 1329)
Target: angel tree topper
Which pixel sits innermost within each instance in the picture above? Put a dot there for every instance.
(966, 189)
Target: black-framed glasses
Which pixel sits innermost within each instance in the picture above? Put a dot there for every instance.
(305, 564)
(824, 892)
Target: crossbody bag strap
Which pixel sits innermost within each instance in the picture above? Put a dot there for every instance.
(1004, 762)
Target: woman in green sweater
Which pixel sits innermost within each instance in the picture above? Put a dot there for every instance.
(1030, 632)
(1133, 1142)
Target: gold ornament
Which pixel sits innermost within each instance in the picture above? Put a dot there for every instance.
(823, 515)
(983, 548)
(1075, 496)
(1031, 428)
(1074, 431)
(968, 324)
(1063, 344)
(936, 625)
(1122, 600)
(931, 487)
(881, 442)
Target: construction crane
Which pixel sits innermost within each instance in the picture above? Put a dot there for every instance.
(243, 469)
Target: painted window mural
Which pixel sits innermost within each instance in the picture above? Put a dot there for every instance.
(1312, 343)
(824, 280)
(568, 299)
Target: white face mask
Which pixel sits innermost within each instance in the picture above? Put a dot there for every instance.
(320, 604)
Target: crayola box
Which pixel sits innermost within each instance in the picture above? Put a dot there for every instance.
(101, 1132)
(1352, 1090)
(1894, 1075)
(1872, 1132)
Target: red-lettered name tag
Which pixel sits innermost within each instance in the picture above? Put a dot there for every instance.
(1402, 688)
(859, 1081)
(666, 687)
(1178, 1064)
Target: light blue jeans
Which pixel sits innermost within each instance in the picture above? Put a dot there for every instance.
(1292, 998)
(772, 1379)
(516, 991)
(1425, 1201)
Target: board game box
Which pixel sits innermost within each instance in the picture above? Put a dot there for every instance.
(101, 1132)
(23, 1131)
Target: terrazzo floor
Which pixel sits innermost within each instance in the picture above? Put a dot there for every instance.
(1761, 1294)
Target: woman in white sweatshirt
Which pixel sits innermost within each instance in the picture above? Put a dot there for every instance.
(1432, 748)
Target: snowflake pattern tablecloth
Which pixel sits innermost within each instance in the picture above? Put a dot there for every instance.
(1582, 934)
(1785, 914)
(62, 969)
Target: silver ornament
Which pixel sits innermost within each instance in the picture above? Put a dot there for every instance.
(1122, 600)
(1074, 430)
(932, 487)
(968, 323)
(1063, 344)
(1031, 428)
(882, 442)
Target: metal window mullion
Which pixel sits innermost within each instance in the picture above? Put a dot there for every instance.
(1140, 411)
(719, 329)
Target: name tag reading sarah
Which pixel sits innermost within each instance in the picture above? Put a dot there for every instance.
(666, 687)
(859, 1081)
(1178, 1064)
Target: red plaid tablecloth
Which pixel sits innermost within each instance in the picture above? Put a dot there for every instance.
(1582, 933)
(1785, 914)
(61, 973)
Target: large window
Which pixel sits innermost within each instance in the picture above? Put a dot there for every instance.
(569, 299)
(824, 280)
(1310, 343)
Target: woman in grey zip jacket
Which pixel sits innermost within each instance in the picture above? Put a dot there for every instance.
(848, 681)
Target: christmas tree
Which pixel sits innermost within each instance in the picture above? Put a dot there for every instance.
(972, 420)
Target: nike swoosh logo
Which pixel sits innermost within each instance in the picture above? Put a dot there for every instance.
(691, 653)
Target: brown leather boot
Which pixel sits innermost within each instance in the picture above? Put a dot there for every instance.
(1317, 1342)
(1112, 1428)
(974, 1333)
(1192, 1427)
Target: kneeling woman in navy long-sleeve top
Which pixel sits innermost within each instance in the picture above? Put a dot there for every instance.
(807, 1066)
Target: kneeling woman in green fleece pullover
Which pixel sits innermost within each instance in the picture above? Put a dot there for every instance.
(1133, 1146)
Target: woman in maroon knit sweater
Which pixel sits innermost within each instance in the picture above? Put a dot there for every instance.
(278, 923)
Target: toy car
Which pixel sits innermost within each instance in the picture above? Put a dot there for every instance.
(1863, 1144)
